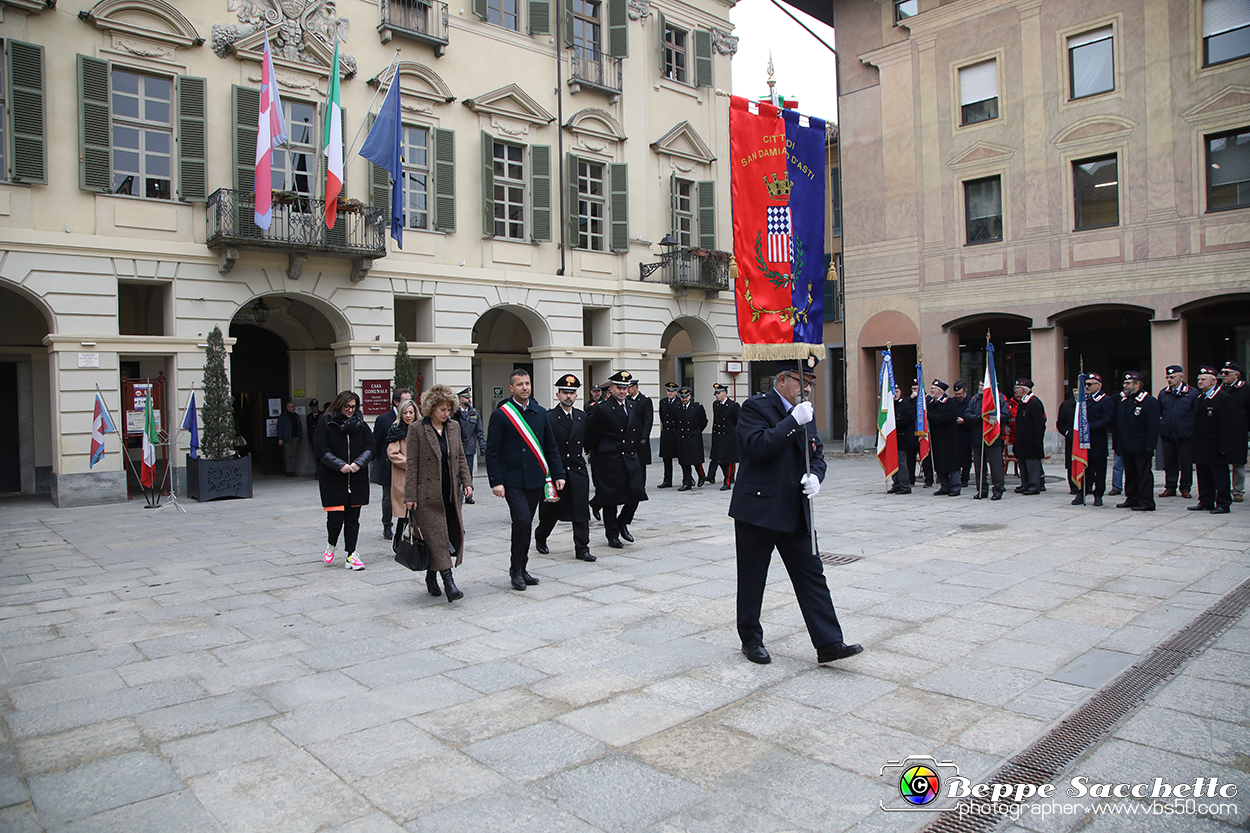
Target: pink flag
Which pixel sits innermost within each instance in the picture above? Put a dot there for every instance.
(270, 133)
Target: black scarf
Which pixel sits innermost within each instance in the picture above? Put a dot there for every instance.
(398, 431)
(346, 424)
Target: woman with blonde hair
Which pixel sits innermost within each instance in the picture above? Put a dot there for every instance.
(397, 452)
(436, 471)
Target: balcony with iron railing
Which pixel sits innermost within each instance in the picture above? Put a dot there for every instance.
(705, 269)
(416, 20)
(594, 70)
(297, 227)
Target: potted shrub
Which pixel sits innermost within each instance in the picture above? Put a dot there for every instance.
(219, 471)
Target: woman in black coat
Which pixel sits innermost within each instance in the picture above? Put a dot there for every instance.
(343, 447)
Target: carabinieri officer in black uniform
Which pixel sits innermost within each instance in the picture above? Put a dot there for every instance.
(771, 509)
(568, 424)
(724, 436)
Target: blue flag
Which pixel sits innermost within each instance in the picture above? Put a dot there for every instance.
(383, 147)
(191, 423)
(805, 166)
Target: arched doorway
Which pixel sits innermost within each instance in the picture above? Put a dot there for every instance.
(1218, 331)
(690, 356)
(1012, 348)
(25, 399)
(505, 337)
(1108, 338)
(282, 351)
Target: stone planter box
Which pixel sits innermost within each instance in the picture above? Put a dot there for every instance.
(213, 479)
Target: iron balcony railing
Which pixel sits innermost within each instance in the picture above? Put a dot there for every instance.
(593, 68)
(701, 268)
(297, 225)
(416, 20)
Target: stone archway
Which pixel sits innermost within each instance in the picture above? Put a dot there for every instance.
(1107, 339)
(1217, 331)
(507, 337)
(26, 445)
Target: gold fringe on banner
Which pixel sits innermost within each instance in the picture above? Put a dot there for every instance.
(779, 352)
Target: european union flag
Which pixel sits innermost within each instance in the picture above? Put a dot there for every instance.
(383, 147)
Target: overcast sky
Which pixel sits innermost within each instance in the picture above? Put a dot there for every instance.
(804, 69)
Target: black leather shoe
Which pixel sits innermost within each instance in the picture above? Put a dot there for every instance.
(541, 547)
(836, 651)
(1113, 492)
(1079, 500)
(701, 482)
(1221, 510)
(527, 578)
(685, 487)
(757, 653)
(942, 492)
(1018, 489)
(469, 500)
(996, 496)
(665, 485)
(615, 543)
(1200, 507)
(431, 583)
(1124, 504)
(449, 584)
(518, 583)
(725, 487)
(388, 533)
(1141, 507)
(585, 556)
(1098, 500)
(953, 494)
(626, 536)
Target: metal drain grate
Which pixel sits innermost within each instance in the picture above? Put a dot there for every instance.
(1052, 753)
(837, 559)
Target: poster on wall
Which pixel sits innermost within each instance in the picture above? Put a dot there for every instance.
(271, 428)
(275, 407)
(376, 394)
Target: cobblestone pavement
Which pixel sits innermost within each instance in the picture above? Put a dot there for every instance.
(204, 671)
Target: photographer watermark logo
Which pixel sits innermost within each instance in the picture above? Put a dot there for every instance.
(920, 779)
(919, 784)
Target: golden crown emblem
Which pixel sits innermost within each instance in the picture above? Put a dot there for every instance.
(778, 188)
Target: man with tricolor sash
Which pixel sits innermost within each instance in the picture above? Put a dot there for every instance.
(523, 465)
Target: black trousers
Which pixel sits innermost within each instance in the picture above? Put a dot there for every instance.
(949, 481)
(386, 503)
(1139, 480)
(755, 545)
(668, 470)
(348, 522)
(549, 515)
(727, 468)
(521, 506)
(612, 521)
(1215, 485)
(926, 467)
(1031, 475)
(901, 483)
(687, 479)
(990, 473)
(1096, 476)
(1177, 468)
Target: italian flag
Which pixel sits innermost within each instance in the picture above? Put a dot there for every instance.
(150, 440)
(887, 436)
(334, 143)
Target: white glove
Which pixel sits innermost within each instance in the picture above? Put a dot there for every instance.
(803, 413)
(810, 484)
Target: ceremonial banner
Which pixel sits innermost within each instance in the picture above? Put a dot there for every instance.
(270, 133)
(779, 194)
(333, 138)
(151, 439)
(1080, 434)
(922, 412)
(101, 424)
(991, 417)
(887, 436)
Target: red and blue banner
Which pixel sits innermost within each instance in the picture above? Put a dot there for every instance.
(779, 193)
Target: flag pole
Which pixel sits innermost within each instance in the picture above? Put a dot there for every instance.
(981, 466)
(122, 436)
(373, 101)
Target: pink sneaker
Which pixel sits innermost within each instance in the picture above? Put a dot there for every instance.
(354, 563)
(329, 556)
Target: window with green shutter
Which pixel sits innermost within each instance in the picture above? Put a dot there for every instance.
(540, 17)
(95, 156)
(598, 205)
(192, 141)
(540, 192)
(702, 58)
(707, 215)
(444, 180)
(246, 106)
(618, 28)
(25, 113)
(618, 208)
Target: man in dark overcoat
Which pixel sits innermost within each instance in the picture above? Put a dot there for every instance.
(963, 426)
(1136, 435)
(724, 435)
(944, 438)
(568, 424)
(1235, 385)
(515, 470)
(987, 460)
(471, 435)
(612, 431)
(905, 434)
(646, 414)
(668, 434)
(1214, 436)
(689, 420)
(772, 509)
(1030, 445)
(381, 463)
(1063, 423)
(1176, 425)
(1100, 406)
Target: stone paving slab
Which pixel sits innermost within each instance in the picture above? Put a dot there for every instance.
(207, 672)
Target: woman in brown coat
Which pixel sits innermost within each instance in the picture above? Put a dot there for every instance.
(435, 469)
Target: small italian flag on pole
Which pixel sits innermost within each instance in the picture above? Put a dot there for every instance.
(150, 440)
(334, 143)
(887, 436)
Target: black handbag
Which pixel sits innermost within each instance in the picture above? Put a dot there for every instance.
(411, 550)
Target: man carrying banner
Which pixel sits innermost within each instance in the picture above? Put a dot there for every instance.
(1101, 408)
(523, 465)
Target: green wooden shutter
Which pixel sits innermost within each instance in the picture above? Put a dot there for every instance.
(444, 179)
(571, 217)
(540, 17)
(479, 9)
(246, 103)
(540, 192)
(659, 27)
(566, 17)
(488, 184)
(618, 31)
(702, 58)
(24, 69)
(192, 141)
(618, 208)
(672, 204)
(95, 145)
(707, 215)
(379, 180)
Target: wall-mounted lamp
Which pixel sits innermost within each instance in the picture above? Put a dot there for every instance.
(260, 311)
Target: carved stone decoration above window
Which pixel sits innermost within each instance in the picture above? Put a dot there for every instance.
(639, 10)
(511, 102)
(300, 31)
(151, 20)
(593, 123)
(418, 81)
(725, 43)
(29, 6)
(684, 141)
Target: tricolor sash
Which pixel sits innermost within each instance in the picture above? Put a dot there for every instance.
(513, 413)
